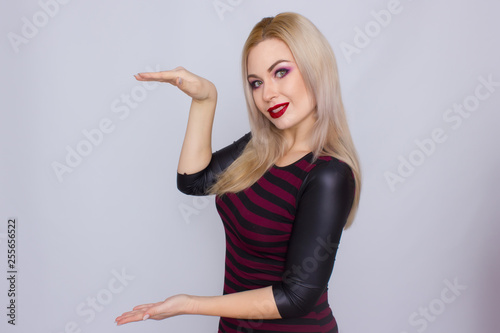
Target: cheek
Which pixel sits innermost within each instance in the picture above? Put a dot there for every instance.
(300, 88)
(257, 99)
(307, 98)
(312, 101)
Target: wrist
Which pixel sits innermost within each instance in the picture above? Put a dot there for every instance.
(210, 97)
(191, 304)
(212, 92)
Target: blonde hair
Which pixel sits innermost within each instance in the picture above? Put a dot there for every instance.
(331, 136)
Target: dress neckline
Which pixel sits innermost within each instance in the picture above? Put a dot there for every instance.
(293, 163)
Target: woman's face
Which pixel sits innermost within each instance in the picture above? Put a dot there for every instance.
(279, 91)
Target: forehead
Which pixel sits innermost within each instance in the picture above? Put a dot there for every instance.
(266, 53)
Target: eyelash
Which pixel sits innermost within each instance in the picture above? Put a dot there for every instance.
(285, 72)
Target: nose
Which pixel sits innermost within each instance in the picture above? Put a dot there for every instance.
(270, 91)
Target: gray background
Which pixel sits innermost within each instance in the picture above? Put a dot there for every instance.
(118, 211)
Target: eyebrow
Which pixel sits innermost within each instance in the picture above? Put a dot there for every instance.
(270, 68)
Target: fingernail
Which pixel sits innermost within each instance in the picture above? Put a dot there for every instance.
(180, 81)
(145, 317)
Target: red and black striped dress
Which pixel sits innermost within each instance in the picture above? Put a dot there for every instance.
(282, 231)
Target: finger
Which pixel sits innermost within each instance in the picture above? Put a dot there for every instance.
(130, 317)
(156, 312)
(165, 76)
(126, 315)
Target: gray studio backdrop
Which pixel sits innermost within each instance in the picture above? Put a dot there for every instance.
(89, 210)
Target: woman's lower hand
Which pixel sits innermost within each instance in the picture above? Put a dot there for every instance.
(194, 86)
(171, 307)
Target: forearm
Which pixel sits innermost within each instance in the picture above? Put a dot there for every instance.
(250, 304)
(196, 149)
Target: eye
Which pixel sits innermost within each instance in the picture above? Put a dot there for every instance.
(280, 73)
(255, 84)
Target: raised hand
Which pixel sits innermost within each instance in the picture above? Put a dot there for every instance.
(196, 149)
(198, 88)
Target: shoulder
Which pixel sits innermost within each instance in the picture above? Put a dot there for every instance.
(331, 176)
(245, 138)
(328, 169)
(232, 151)
(240, 144)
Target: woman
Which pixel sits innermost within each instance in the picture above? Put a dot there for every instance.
(284, 192)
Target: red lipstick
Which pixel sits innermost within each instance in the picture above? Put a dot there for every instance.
(278, 110)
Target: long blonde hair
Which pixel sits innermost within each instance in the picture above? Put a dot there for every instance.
(331, 136)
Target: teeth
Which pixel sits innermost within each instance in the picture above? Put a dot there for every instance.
(278, 109)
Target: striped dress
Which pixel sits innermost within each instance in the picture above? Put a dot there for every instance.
(258, 224)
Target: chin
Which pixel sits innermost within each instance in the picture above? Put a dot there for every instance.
(281, 126)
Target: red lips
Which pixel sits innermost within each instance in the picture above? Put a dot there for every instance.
(276, 114)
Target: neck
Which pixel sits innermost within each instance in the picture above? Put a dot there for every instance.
(298, 138)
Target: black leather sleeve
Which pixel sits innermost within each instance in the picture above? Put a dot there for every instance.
(198, 183)
(323, 206)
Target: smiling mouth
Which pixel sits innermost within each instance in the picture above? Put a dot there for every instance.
(278, 110)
